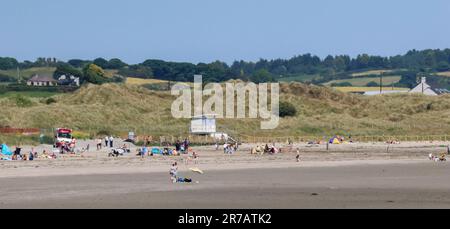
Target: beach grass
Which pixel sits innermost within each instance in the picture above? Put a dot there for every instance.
(120, 108)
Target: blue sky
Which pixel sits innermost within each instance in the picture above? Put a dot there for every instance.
(207, 30)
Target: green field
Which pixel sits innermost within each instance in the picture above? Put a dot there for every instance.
(445, 74)
(371, 72)
(299, 78)
(28, 73)
(363, 81)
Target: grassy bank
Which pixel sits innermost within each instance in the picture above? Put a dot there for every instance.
(119, 108)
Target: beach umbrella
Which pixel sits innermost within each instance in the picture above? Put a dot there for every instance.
(197, 170)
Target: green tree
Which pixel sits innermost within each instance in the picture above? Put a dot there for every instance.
(101, 63)
(262, 76)
(94, 74)
(8, 63)
(66, 69)
(77, 63)
(116, 63)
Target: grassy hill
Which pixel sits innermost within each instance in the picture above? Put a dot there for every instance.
(119, 108)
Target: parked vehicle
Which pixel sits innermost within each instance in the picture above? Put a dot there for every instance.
(63, 136)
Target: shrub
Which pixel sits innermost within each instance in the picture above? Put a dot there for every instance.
(342, 84)
(50, 101)
(287, 109)
(22, 101)
(372, 84)
(46, 140)
(80, 135)
(103, 133)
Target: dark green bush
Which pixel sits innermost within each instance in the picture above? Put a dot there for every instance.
(50, 101)
(287, 109)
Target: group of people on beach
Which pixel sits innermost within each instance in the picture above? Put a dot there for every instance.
(228, 148)
(167, 148)
(68, 147)
(269, 149)
(17, 154)
(108, 140)
(442, 156)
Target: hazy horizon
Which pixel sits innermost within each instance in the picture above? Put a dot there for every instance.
(205, 31)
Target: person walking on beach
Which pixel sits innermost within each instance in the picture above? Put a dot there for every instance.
(99, 144)
(225, 147)
(194, 157)
(111, 141)
(106, 141)
(298, 155)
(186, 145)
(178, 146)
(448, 149)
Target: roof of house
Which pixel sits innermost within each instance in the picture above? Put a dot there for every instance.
(424, 88)
(38, 78)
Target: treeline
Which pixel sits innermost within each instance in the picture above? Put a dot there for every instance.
(330, 67)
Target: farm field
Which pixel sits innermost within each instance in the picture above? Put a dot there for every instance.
(364, 89)
(140, 81)
(28, 73)
(299, 78)
(446, 74)
(363, 81)
(371, 72)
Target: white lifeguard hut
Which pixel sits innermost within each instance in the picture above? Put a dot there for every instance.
(203, 124)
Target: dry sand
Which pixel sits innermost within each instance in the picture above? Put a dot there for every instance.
(346, 176)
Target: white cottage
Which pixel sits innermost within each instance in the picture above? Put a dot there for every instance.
(423, 88)
(38, 80)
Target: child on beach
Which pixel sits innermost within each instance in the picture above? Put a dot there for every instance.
(194, 157)
(298, 156)
(173, 172)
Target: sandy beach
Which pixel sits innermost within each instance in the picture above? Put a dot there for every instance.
(360, 175)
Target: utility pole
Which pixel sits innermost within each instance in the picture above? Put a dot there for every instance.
(18, 74)
(381, 83)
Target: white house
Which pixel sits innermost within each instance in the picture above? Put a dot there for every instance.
(424, 88)
(69, 81)
(38, 80)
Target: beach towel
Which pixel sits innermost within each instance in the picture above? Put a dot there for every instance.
(156, 151)
(5, 150)
(197, 170)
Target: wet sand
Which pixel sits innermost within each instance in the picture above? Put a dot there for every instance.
(397, 184)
